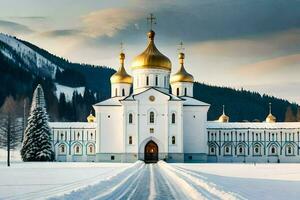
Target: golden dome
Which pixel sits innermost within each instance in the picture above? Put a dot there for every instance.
(270, 118)
(151, 58)
(121, 75)
(182, 75)
(223, 118)
(91, 118)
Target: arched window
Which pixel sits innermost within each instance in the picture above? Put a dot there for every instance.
(147, 80)
(77, 149)
(165, 81)
(256, 150)
(173, 140)
(123, 92)
(185, 92)
(241, 150)
(130, 140)
(173, 118)
(151, 117)
(91, 149)
(212, 150)
(91, 136)
(61, 136)
(78, 136)
(116, 92)
(156, 80)
(273, 150)
(62, 149)
(177, 91)
(130, 118)
(289, 150)
(227, 150)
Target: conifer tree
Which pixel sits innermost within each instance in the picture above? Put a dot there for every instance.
(37, 144)
(289, 115)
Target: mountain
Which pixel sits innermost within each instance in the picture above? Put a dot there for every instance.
(72, 88)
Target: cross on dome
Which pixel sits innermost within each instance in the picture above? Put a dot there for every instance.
(151, 20)
(181, 48)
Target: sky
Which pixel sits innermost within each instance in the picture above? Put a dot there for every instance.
(250, 44)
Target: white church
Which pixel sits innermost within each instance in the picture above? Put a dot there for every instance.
(144, 120)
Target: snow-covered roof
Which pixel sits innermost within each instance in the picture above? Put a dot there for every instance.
(114, 101)
(72, 125)
(189, 101)
(253, 125)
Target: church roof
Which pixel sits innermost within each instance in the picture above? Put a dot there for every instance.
(253, 125)
(189, 101)
(114, 101)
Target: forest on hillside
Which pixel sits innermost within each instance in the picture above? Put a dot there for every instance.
(19, 83)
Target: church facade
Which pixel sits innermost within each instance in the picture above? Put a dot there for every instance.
(152, 116)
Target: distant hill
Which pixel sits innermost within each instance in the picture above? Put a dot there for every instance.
(72, 88)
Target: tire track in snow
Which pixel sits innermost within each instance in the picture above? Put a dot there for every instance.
(152, 194)
(208, 189)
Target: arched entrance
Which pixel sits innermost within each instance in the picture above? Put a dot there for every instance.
(151, 152)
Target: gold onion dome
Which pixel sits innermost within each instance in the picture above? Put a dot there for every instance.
(270, 118)
(182, 75)
(151, 58)
(223, 118)
(91, 118)
(121, 75)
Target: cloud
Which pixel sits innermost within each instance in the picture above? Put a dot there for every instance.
(107, 22)
(61, 33)
(13, 27)
(270, 66)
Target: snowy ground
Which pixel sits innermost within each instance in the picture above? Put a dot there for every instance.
(152, 181)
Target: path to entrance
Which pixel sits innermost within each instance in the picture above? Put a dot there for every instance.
(152, 181)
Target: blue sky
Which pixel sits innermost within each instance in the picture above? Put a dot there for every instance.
(254, 44)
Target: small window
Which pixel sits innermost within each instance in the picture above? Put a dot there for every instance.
(173, 140)
(116, 92)
(212, 150)
(289, 150)
(112, 157)
(92, 136)
(190, 157)
(77, 149)
(156, 80)
(78, 136)
(130, 118)
(130, 139)
(177, 91)
(273, 151)
(151, 130)
(147, 80)
(173, 118)
(227, 149)
(61, 136)
(185, 92)
(62, 149)
(151, 117)
(165, 81)
(241, 150)
(91, 149)
(123, 92)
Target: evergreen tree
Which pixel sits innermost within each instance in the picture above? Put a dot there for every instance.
(289, 115)
(298, 114)
(37, 144)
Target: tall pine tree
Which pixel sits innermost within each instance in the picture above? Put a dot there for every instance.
(37, 144)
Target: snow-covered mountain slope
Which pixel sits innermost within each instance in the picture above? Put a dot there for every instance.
(68, 91)
(33, 61)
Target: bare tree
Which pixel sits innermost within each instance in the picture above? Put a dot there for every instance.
(11, 126)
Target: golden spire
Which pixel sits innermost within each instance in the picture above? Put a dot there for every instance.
(270, 118)
(121, 75)
(223, 118)
(91, 118)
(151, 57)
(181, 75)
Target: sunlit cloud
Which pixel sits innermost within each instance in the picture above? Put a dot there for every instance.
(107, 22)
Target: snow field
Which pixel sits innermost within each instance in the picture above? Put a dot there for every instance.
(43, 180)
